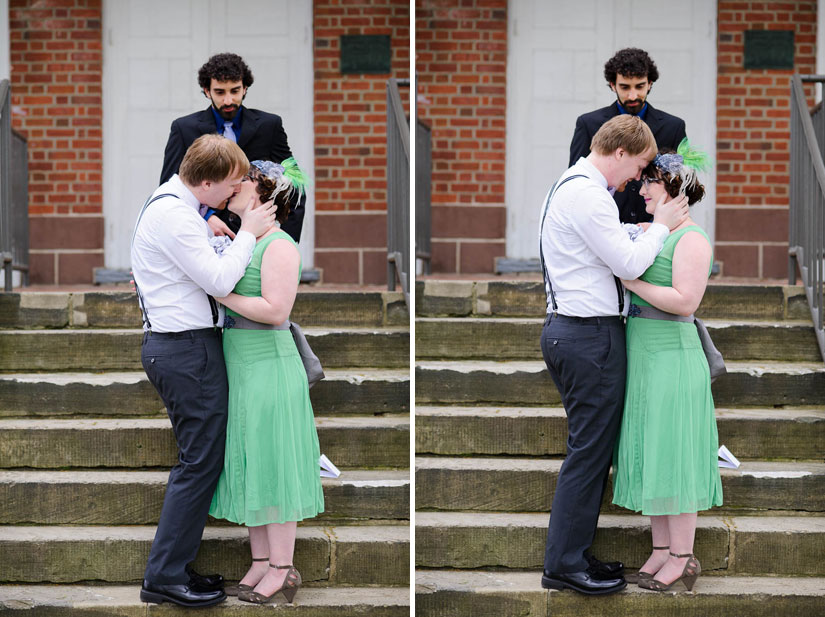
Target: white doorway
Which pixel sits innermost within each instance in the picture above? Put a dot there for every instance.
(150, 69)
(556, 55)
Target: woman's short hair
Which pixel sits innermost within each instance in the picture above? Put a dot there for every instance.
(212, 158)
(265, 188)
(628, 132)
(673, 182)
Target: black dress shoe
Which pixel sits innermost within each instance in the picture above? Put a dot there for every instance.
(204, 582)
(182, 595)
(587, 582)
(610, 569)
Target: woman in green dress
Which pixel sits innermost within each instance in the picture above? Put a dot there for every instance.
(270, 478)
(665, 462)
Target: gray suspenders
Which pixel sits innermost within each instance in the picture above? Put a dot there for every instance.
(547, 282)
(212, 304)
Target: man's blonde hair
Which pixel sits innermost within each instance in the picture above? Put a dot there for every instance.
(627, 132)
(212, 158)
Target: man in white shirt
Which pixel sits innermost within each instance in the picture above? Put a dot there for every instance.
(584, 248)
(176, 273)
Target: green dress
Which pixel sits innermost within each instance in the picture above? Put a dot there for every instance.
(271, 472)
(665, 461)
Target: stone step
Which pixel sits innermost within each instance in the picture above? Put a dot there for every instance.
(525, 298)
(119, 350)
(344, 391)
(119, 309)
(124, 601)
(733, 546)
(527, 485)
(340, 555)
(480, 338)
(349, 442)
(747, 384)
(794, 433)
(135, 497)
(471, 593)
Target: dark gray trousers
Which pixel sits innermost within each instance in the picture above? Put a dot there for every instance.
(587, 360)
(188, 371)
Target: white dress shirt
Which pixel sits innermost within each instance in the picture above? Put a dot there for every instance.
(584, 245)
(174, 265)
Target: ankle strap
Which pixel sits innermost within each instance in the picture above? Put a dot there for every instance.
(260, 559)
(661, 548)
(272, 565)
(681, 554)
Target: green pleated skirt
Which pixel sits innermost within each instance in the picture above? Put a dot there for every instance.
(665, 461)
(271, 469)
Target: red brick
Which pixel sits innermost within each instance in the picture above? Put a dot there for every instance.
(41, 269)
(77, 268)
(480, 256)
(374, 266)
(338, 266)
(738, 260)
(774, 261)
(443, 256)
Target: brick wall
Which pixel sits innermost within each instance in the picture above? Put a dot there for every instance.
(461, 62)
(350, 140)
(753, 137)
(56, 77)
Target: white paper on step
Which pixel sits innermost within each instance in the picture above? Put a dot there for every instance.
(328, 470)
(728, 460)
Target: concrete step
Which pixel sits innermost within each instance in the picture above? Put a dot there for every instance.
(124, 601)
(472, 593)
(344, 391)
(792, 433)
(349, 442)
(135, 497)
(480, 338)
(119, 350)
(730, 546)
(341, 555)
(754, 384)
(119, 309)
(527, 485)
(525, 298)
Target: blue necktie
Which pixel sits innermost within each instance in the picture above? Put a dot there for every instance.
(228, 132)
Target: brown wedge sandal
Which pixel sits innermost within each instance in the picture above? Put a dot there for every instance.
(641, 576)
(234, 590)
(689, 575)
(290, 587)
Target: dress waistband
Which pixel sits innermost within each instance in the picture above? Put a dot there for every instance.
(651, 312)
(242, 323)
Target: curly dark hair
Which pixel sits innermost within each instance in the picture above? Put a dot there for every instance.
(630, 62)
(672, 183)
(224, 67)
(264, 186)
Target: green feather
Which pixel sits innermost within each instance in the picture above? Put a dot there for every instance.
(692, 157)
(297, 177)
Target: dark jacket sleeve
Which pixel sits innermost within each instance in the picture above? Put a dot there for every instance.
(280, 151)
(580, 145)
(173, 155)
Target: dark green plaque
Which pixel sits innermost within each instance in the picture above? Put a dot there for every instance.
(365, 53)
(769, 49)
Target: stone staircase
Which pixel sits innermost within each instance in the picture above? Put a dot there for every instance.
(490, 439)
(85, 449)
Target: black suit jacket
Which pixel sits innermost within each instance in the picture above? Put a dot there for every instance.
(262, 138)
(668, 130)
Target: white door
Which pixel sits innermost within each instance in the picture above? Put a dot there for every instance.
(152, 52)
(556, 55)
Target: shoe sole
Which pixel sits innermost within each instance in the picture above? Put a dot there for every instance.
(560, 585)
(159, 598)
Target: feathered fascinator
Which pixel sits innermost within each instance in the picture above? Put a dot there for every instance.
(286, 175)
(685, 163)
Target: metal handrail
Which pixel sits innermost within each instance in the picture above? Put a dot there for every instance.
(806, 228)
(398, 190)
(14, 207)
(423, 195)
